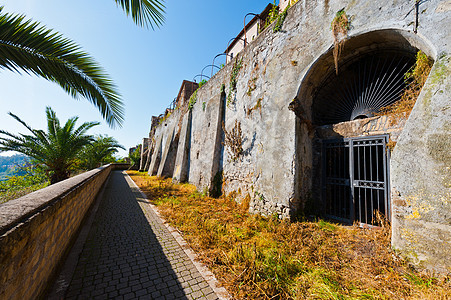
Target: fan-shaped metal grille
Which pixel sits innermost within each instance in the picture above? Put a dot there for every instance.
(361, 88)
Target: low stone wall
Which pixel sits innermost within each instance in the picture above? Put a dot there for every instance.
(36, 230)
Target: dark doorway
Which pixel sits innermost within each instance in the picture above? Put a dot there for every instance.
(355, 178)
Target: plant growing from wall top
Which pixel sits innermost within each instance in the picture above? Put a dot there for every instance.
(233, 79)
(340, 26)
(280, 19)
(192, 100)
(414, 79)
(272, 15)
(202, 82)
(164, 118)
(233, 140)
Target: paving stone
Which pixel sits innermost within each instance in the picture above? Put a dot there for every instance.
(170, 297)
(207, 290)
(197, 295)
(137, 287)
(141, 292)
(129, 296)
(211, 297)
(156, 294)
(130, 254)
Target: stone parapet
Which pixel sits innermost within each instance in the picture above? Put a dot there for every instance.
(37, 229)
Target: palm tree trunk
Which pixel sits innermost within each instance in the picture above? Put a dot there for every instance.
(59, 175)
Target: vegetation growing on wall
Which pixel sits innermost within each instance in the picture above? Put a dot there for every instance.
(233, 79)
(233, 140)
(340, 26)
(414, 79)
(280, 19)
(201, 83)
(192, 100)
(251, 86)
(275, 15)
(164, 118)
(257, 105)
(272, 16)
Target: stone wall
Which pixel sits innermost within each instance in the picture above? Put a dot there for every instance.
(144, 153)
(421, 175)
(276, 168)
(36, 230)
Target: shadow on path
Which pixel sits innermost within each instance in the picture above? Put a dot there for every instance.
(130, 254)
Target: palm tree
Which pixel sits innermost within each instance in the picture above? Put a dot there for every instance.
(56, 149)
(96, 153)
(29, 47)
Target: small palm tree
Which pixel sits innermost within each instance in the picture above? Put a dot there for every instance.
(56, 149)
(96, 153)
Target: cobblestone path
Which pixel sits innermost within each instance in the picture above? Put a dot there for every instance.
(130, 254)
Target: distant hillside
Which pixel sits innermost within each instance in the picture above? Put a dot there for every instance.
(8, 163)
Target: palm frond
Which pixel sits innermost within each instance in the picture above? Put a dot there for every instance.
(21, 121)
(144, 12)
(29, 47)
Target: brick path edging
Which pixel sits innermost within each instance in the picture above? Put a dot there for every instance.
(209, 277)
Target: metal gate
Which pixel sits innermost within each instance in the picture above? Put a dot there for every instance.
(355, 178)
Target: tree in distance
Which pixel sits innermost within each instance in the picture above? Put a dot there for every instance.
(56, 149)
(99, 152)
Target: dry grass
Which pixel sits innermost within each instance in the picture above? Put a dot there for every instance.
(264, 258)
(414, 79)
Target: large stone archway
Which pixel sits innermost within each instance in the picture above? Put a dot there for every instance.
(370, 75)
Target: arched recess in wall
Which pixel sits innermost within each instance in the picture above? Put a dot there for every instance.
(370, 76)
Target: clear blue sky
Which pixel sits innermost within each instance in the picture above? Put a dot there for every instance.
(147, 66)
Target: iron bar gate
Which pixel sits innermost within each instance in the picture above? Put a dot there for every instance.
(356, 178)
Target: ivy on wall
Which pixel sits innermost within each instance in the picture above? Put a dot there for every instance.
(233, 79)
